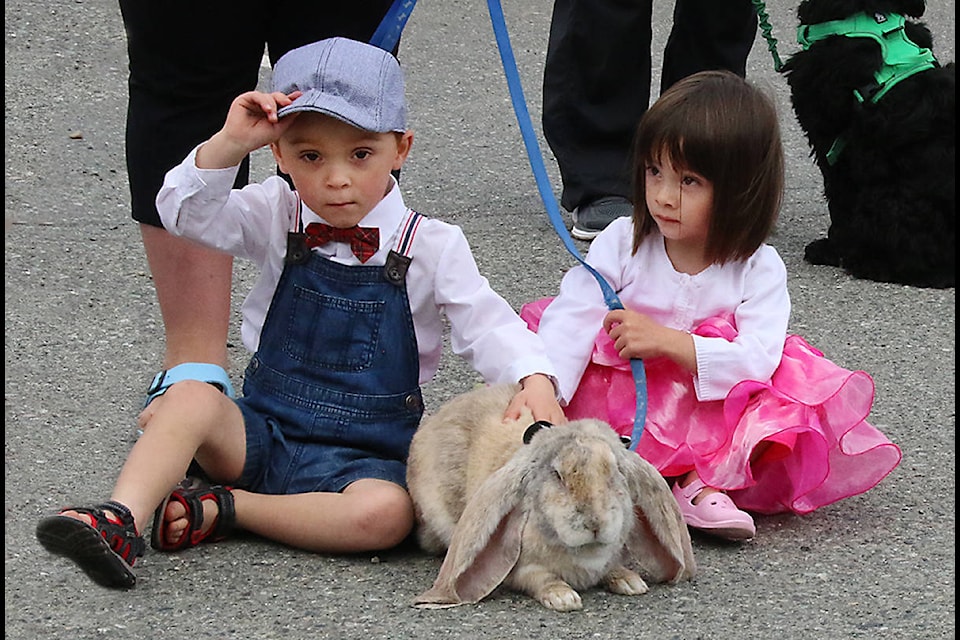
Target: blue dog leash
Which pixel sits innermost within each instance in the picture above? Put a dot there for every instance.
(388, 33)
(387, 36)
(550, 202)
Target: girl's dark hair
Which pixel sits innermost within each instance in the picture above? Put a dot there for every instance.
(716, 124)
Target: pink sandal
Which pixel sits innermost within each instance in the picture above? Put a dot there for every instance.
(715, 514)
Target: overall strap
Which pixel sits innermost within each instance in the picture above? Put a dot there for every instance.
(407, 232)
(398, 259)
(297, 251)
(298, 219)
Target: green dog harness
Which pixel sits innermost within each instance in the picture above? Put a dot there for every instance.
(902, 57)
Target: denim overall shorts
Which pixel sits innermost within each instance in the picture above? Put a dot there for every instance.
(332, 394)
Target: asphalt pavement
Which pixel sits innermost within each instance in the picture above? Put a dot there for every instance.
(83, 338)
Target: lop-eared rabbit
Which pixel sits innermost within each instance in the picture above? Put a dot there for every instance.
(569, 510)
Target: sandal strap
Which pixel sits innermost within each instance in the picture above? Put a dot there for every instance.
(227, 518)
(121, 511)
(121, 536)
(202, 371)
(191, 493)
(692, 490)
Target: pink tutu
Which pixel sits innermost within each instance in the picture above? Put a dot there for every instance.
(809, 420)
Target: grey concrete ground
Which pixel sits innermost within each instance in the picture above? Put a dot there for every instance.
(83, 337)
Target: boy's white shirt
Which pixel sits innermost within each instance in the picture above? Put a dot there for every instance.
(443, 279)
(754, 291)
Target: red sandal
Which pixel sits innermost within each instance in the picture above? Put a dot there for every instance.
(191, 492)
(105, 549)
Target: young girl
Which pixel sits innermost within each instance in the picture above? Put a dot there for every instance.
(740, 414)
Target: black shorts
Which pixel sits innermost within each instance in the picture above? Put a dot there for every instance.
(189, 60)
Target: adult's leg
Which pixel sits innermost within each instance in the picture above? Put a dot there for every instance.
(193, 290)
(596, 86)
(294, 23)
(708, 34)
(188, 61)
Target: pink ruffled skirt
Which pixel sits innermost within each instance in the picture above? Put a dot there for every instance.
(793, 444)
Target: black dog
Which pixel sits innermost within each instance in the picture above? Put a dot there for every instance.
(882, 132)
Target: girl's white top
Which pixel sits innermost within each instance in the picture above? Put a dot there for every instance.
(754, 291)
(443, 278)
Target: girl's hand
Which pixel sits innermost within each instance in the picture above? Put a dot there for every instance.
(636, 335)
(251, 123)
(537, 394)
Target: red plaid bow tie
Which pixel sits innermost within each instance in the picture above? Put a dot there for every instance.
(364, 241)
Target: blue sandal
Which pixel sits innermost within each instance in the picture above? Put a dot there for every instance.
(202, 371)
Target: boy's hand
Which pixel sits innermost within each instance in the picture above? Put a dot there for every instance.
(537, 394)
(251, 123)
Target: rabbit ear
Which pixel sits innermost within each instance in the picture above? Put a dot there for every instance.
(485, 544)
(660, 540)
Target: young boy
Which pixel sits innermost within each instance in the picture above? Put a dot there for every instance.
(345, 322)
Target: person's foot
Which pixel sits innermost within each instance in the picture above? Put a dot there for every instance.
(176, 520)
(712, 511)
(194, 512)
(589, 220)
(102, 540)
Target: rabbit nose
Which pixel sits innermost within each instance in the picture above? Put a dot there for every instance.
(594, 526)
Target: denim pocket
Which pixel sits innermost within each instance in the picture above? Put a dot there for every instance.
(332, 333)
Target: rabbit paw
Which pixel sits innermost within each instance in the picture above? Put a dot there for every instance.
(559, 596)
(625, 582)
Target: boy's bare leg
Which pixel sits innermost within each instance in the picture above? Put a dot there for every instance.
(193, 419)
(368, 515)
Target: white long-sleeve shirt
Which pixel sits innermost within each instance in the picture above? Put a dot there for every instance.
(443, 278)
(754, 291)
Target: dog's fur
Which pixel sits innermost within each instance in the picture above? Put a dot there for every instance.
(891, 194)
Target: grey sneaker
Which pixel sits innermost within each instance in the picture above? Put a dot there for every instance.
(590, 220)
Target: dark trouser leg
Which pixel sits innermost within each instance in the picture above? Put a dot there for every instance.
(708, 34)
(596, 85)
